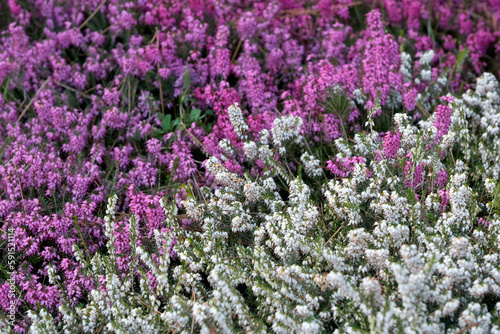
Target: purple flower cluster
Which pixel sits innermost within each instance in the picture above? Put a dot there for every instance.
(343, 167)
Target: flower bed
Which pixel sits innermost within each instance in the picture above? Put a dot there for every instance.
(278, 166)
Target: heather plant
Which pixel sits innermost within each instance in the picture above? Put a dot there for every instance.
(132, 99)
(391, 246)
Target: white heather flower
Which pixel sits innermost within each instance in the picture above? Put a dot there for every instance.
(479, 289)
(344, 150)
(193, 211)
(359, 96)
(358, 242)
(371, 287)
(238, 225)
(490, 185)
(450, 307)
(225, 145)
(310, 327)
(426, 75)
(459, 247)
(222, 175)
(377, 258)
(311, 165)
(240, 127)
(284, 129)
(405, 68)
(442, 80)
(486, 83)
(251, 150)
(426, 58)
(264, 137)
(252, 192)
(51, 272)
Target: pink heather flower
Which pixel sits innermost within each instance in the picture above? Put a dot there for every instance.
(418, 175)
(381, 60)
(180, 196)
(181, 161)
(343, 168)
(233, 167)
(465, 24)
(412, 14)
(121, 156)
(331, 127)
(483, 222)
(247, 25)
(394, 11)
(153, 146)
(443, 118)
(442, 178)
(122, 243)
(391, 144)
(15, 9)
(143, 174)
(409, 97)
(478, 44)
(147, 208)
(449, 42)
(445, 14)
(334, 42)
(220, 60)
(115, 119)
(445, 199)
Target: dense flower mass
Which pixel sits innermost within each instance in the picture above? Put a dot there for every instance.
(243, 166)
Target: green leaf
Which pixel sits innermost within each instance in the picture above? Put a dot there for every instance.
(186, 80)
(195, 115)
(461, 57)
(6, 88)
(167, 123)
(137, 135)
(177, 121)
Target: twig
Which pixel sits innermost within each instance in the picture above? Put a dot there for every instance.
(453, 158)
(88, 91)
(159, 78)
(107, 28)
(129, 94)
(80, 94)
(194, 138)
(199, 190)
(143, 303)
(192, 321)
(236, 51)
(154, 38)
(92, 15)
(99, 329)
(32, 99)
(334, 234)
(422, 109)
(302, 11)
(467, 328)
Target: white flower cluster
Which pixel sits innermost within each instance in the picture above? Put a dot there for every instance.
(427, 98)
(482, 107)
(240, 127)
(284, 129)
(406, 67)
(311, 165)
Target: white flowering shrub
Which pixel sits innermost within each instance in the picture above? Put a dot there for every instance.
(406, 240)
